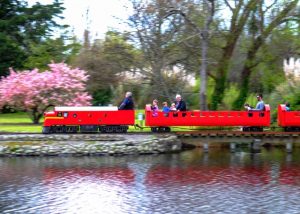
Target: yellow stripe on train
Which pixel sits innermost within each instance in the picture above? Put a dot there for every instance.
(52, 118)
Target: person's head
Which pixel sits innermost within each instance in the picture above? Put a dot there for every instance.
(173, 105)
(155, 102)
(165, 104)
(178, 97)
(259, 97)
(246, 105)
(128, 94)
(287, 104)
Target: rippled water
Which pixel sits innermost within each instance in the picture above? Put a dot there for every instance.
(189, 182)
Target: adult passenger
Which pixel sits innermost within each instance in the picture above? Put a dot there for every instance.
(287, 107)
(179, 103)
(260, 106)
(127, 103)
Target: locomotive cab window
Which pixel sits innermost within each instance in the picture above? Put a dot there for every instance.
(65, 114)
(59, 114)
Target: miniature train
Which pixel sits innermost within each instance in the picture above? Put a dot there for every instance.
(112, 120)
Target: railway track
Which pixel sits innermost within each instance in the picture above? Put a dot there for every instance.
(180, 133)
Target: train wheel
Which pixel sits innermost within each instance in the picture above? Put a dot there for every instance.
(71, 129)
(161, 129)
(154, 129)
(46, 130)
(167, 129)
(102, 129)
(109, 129)
(121, 129)
(58, 129)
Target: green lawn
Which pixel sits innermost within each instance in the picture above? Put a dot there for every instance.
(18, 122)
(14, 118)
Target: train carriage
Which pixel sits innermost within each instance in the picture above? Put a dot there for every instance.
(87, 119)
(289, 120)
(249, 120)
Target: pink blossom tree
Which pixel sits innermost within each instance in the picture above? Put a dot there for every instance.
(34, 91)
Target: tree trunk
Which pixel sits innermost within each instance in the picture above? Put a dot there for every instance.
(221, 78)
(244, 89)
(35, 115)
(203, 75)
(256, 44)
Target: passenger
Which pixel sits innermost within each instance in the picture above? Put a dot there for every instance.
(166, 108)
(180, 104)
(260, 106)
(154, 108)
(287, 107)
(173, 107)
(127, 103)
(248, 107)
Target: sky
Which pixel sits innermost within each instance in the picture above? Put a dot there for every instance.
(103, 15)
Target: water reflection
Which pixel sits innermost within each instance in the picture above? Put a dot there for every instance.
(189, 182)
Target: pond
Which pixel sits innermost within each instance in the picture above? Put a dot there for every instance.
(186, 182)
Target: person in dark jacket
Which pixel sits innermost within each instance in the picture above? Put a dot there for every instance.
(127, 103)
(180, 104)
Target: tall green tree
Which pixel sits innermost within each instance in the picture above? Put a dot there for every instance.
(105, 60)
(203, 31)
(22, 26)
(240, 11)
(261, 26)
(156, 33)
(52, 50)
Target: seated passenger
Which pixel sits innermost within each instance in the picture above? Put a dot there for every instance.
(260, 106)
(165, 108)
(154, 108)
(180, 104)
(173, 107)
(287, 107)
(127, 103)
(248, 107)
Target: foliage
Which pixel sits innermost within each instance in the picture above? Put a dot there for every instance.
(105, 61)
(35, 91)
(286, 92)
(21, 27)
(155, 33)
(48, 50)
(102, 97)
(264, 20)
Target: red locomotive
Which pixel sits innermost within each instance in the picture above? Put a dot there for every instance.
(87, 119)
(112, 120)
(289, 120)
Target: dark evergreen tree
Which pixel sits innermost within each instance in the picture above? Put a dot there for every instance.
(22, 26)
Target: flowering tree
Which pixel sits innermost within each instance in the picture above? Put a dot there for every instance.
(35, 91)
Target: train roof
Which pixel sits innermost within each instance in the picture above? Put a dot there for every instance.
(86, 108)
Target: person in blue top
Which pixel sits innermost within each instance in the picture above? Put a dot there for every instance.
(260, 106)
(127, 103)
(166, 108)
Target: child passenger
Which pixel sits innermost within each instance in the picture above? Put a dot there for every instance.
(248, 107)
(166, 108)
(154, 108)
(173, 107)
